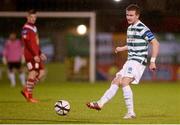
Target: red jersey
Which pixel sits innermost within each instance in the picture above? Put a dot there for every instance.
(29, 38)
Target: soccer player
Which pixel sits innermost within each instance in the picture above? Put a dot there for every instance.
(138, 38)
(13, 56)
(33, 56)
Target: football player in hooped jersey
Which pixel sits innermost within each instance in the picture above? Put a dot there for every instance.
(138, 38)
(33, 56)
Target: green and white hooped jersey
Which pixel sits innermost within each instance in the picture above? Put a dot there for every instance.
(138, 38)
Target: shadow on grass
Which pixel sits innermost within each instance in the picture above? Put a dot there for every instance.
(24, 101)
(21, 121)
(155, 116)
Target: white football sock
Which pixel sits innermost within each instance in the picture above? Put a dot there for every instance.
(128, 97)
(22, 78)
(108, 94)
(12, 79)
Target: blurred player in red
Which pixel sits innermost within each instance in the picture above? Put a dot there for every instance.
(33, 56)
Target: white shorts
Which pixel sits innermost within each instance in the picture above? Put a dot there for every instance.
(132, 69)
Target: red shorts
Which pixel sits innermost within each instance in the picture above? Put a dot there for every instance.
(32, 65)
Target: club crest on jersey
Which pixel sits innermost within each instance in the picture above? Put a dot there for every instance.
(24, 34)
(24, 31)
(130, 70)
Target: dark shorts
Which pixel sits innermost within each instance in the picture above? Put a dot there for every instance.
(14, 65)
(32, 65)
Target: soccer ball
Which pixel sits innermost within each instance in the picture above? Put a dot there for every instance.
(62, 107)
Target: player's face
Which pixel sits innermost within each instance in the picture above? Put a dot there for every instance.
(12, 36)
(31, 18)
(131, 16)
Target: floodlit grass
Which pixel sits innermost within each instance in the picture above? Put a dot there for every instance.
(154, 102)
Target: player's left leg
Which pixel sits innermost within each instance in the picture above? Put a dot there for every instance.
(11, 74)
(110, 93)
(128, 97)
(27, 91)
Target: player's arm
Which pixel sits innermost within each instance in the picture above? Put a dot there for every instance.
(37, 39)
(149, 36)
(154, 54)
(35, 50)
(28, 41)
(38, 43)
(31, 45)
(42, 55)
(4, 60)
(120, 49)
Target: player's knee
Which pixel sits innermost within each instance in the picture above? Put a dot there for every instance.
(123, 84)
(32, 74)
(116, 80)
(126, 81)
(42, 73)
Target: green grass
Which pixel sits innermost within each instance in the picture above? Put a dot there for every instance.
(154, 102)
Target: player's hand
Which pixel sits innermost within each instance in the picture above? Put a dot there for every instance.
(118, 49)
(4, 60)
(22, 59)
(37, 59)
(152, 66)
(43, 57)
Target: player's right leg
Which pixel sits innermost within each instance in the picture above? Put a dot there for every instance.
(108, 95)
(11, 74)
(29, 86)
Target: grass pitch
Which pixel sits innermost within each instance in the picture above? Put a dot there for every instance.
(154, 102)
